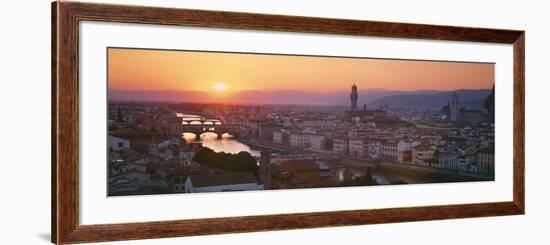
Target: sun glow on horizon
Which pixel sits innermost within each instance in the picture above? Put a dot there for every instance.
(220, 87)
(223, 74)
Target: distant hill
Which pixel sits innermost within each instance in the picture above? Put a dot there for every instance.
(372, 97)
(467, 98)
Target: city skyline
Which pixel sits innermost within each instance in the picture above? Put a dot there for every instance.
(234, 77)
(231, 134)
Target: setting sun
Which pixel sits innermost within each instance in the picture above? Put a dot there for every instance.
(220, 86)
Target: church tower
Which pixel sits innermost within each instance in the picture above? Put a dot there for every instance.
(454, 107)
(265, 168)
(353, 97)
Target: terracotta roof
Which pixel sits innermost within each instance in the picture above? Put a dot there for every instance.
(222, 179)
(302, 164)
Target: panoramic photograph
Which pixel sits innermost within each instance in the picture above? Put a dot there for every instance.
(201, 121)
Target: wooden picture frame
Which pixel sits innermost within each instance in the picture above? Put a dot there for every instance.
(65, 121)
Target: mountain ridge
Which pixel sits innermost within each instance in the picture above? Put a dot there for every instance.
(371, 97)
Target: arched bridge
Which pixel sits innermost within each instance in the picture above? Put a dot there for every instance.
(186, 123)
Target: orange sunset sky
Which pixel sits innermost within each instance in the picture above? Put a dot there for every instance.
(153, 70)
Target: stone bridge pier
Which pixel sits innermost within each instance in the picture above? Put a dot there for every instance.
(199, 125)
(198, 130)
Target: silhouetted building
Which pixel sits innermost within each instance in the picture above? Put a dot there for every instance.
(454, 107)
(139, 140)
(354, 111)
(489, 105)
(471, 116)
(265, 131)
(302, 173)
(354, 96)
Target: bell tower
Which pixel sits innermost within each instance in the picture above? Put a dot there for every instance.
(353, 97)
(454, 107)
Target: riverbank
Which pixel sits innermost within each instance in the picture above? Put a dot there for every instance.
(398, 173)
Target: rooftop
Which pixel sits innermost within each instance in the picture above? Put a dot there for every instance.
(302, 164)
(222, 179)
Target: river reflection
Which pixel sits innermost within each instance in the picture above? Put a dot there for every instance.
(226, 144)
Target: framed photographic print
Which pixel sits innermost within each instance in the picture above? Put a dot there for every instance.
(175, 122)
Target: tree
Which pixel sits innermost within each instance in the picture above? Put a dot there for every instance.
(364, 180)
(435, 158)
(348, 175)
(202, 155)
(240, 162)
(368, 179)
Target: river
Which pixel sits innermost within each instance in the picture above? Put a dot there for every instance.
(384, 175)
(226, 144)
(387, 175)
